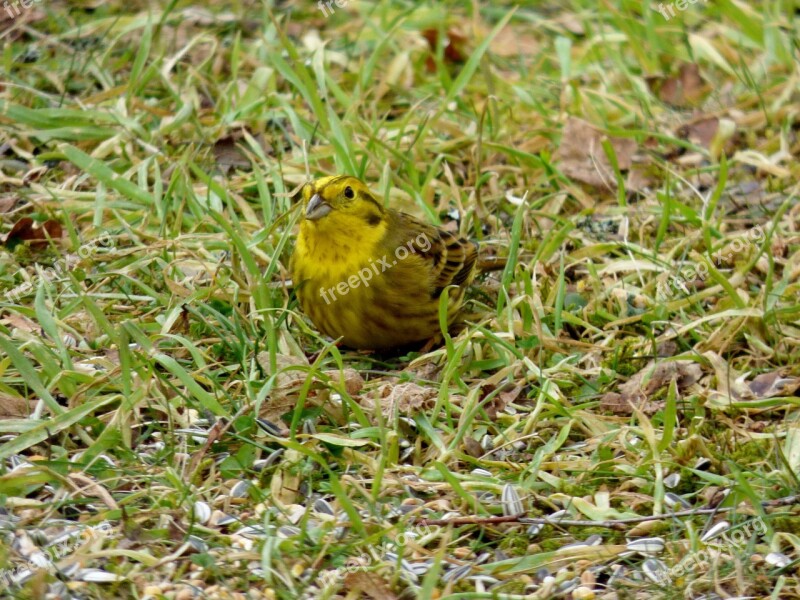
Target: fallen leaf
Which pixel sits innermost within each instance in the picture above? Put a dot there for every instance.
(26, 230)
(583, 158)
(500, 400)
(404, 399)
(454, 47)
(684, 89)
(730, 384)
(511, 42)
(369, 583)
(639, 390)
(286, 386)
(472, 448)
(14, 407)
(21, 322)
(639, 179)
(7, 202)
(700, 131)
(230, 151)
(15, 20)
(353, 382)
(769, 385)
(288, 381)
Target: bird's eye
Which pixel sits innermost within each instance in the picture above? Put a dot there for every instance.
(348, 192)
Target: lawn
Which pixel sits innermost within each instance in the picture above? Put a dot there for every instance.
(618, 416)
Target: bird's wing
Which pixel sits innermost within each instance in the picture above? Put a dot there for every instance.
(452, 259)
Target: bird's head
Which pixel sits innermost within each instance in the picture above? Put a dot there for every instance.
(341, 201)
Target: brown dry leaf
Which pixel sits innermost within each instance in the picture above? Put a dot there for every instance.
(472, 448)
(583, 158)
(454, 47)
(15, 15)
(7, 202)
(14, 407)
(230, 153)
(769, 385)
(399, 69)
(428, 370)
(499, 402)
(639, 179)
(684, 89)
(639, 390)
(514, 42)
(404, 398)
(733, 387)
(20, 322)
(288, 381)
(371, 584)
(667, 348)
(85, 484)
(615, 403)
(26, 230)
(572, 23)
(700, 131)
(353, 382)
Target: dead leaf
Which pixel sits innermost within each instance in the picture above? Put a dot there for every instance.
(285, 481)
(731, 386)
(571, 23)
(500, 400)
(769, 385)
(21, 322)
(667, 348)
(700, 131)
(639, 179)
(639, 390)
(288, 381)
(14, 407)
(86, 484)
(615, 403)
(369, 583)
(353, 382)
(684, 89)
(26, 230)
(230, 152)
(403, 398)
(511, 42)
(583, 158)
(473, 448)
(454, 47)
(14, 20)
(7, 202)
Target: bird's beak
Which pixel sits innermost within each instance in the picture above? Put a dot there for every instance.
(317, 208)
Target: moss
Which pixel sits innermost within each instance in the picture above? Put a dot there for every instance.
(751, 452)
(515, 586)
(786, 523)
(515, 543)
(610, 536)
(576, 490)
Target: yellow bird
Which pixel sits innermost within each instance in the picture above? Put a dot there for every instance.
(373, 275)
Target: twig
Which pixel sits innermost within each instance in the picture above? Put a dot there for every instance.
(609, 524)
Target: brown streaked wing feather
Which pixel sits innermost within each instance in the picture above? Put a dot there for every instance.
(461, 256)
(452, 258)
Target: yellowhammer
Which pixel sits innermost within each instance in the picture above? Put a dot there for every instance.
(373, 275)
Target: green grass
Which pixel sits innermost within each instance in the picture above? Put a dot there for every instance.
(168, 362)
